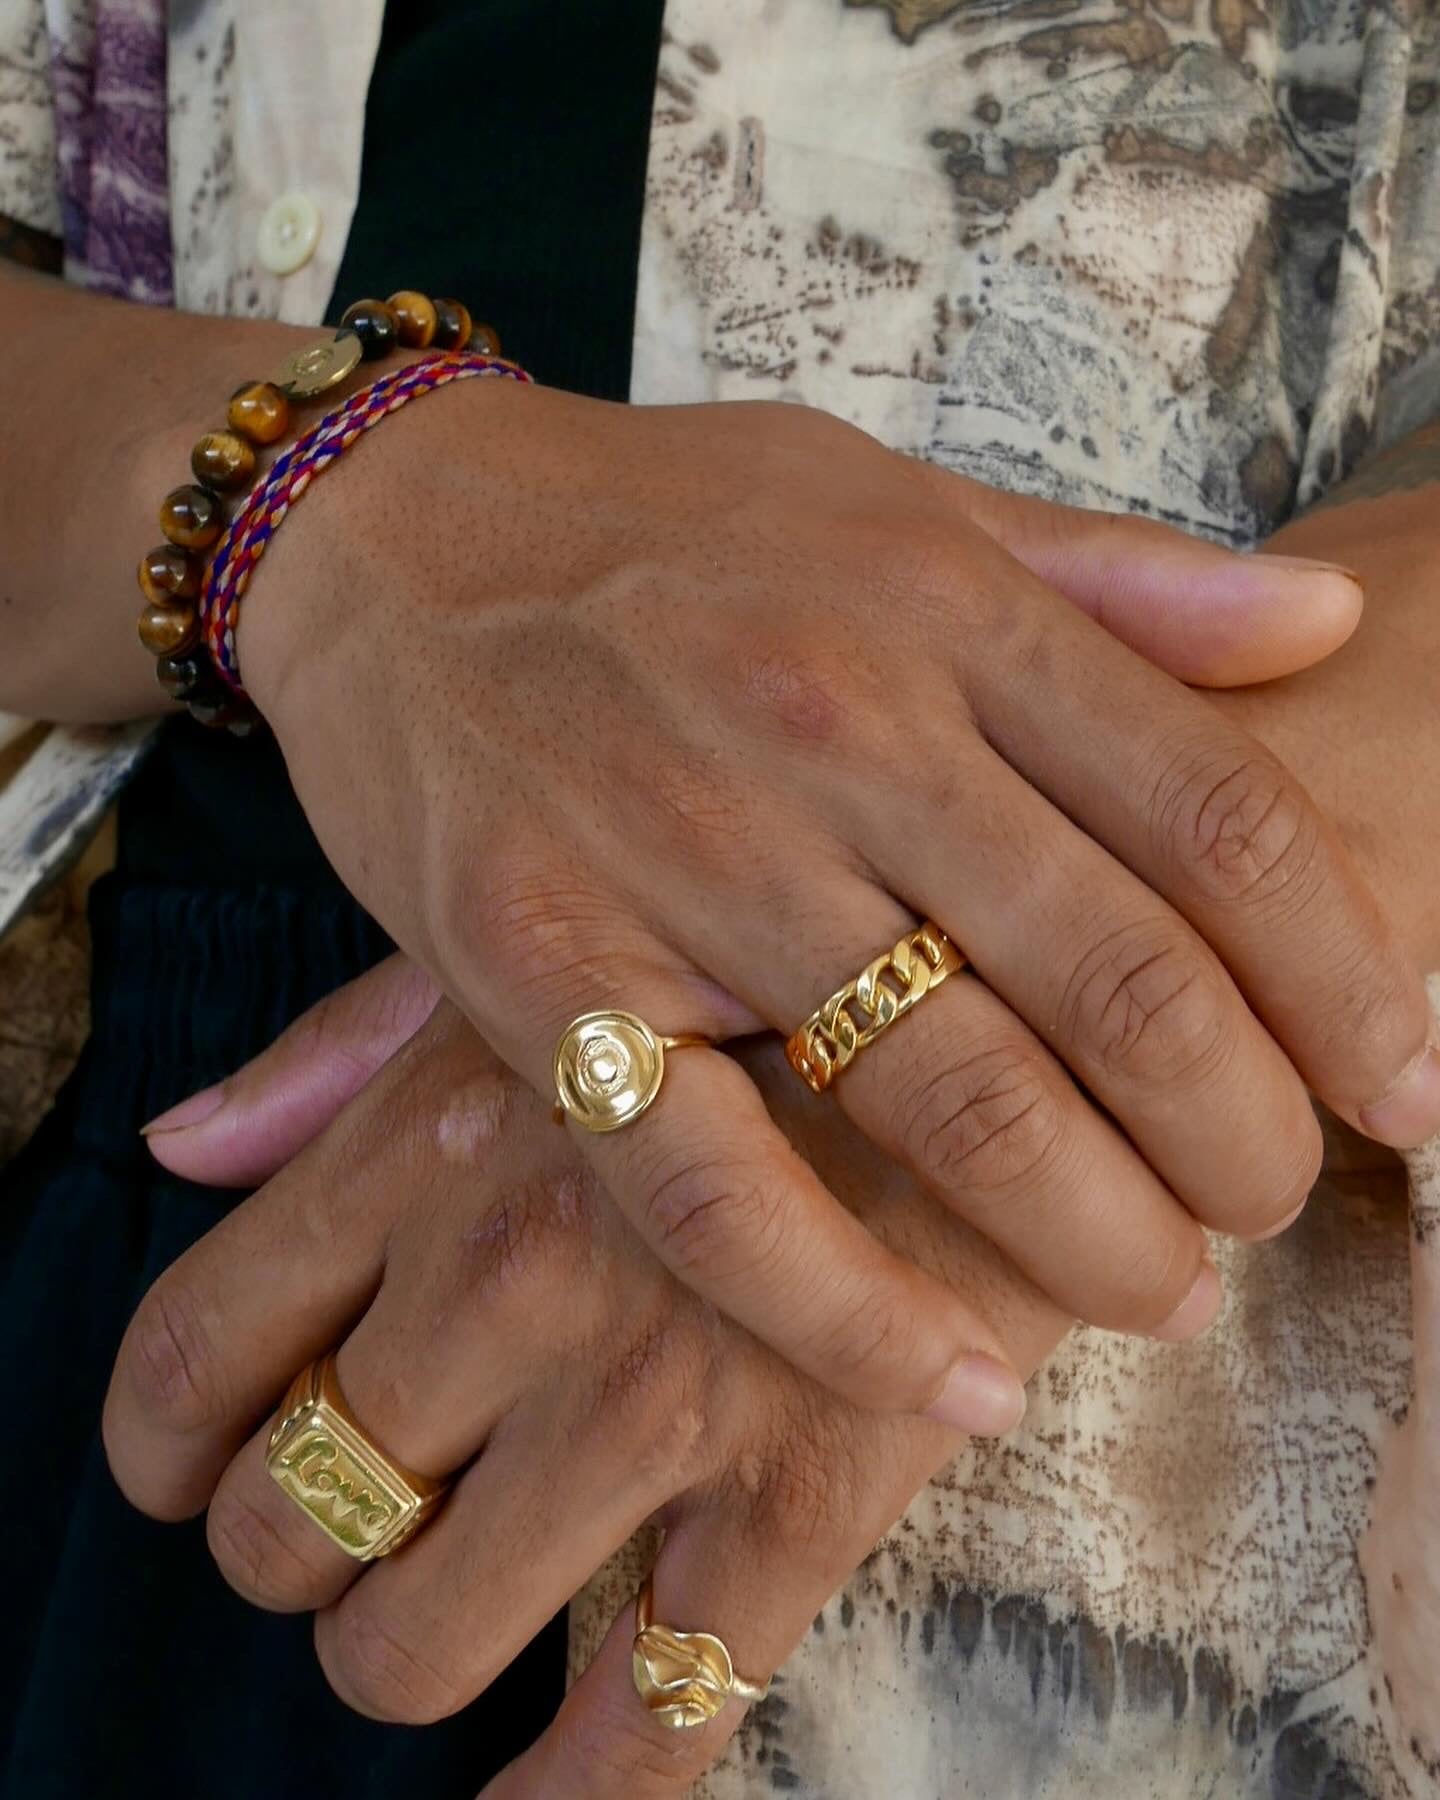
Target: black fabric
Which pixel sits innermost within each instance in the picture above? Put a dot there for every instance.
(504, 163)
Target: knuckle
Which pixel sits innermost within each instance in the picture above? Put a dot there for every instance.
(799, 696)
(375, 1669)
(1147, 1005)
(526, 926)
(256, 1558)
(175, 1374)
(988, 1124)
(715, 1218)
(1240, 829)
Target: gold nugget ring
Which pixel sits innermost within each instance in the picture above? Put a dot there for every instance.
(365, 1502)
(684, 1677)
(882, 992)
(608, 1068)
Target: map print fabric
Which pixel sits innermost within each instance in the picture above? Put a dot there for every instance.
(1175, 257)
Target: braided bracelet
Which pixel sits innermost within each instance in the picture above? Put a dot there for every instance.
(192, 517)
(266, 507)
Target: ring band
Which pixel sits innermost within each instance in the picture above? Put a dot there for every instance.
(683, 1677)
(608, 1068)
(364, 1501)
(883, 991)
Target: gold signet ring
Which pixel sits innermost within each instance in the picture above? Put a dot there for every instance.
(365, 1502)
(609, 1066)
(684, 1677)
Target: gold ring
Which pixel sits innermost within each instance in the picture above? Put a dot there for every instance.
(365, 1502)
(882, 992)
(684, 1677)
(608, 1068)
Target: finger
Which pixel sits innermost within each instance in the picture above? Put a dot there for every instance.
(730, 1207)
(429, 1629)
(278, 1281)
(717, 1192)
(238, 1133)
(1212, 821)
(1207, 615)
(463, 1324)
(1124, 992)
(964, 1094)
(755, 1570)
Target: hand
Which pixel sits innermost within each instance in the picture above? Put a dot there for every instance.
(1363, 730)
(496, 1315)
(693, 710)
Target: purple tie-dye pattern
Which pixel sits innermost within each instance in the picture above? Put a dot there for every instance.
(108, 71)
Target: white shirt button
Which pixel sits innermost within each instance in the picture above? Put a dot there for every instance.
(288, 233)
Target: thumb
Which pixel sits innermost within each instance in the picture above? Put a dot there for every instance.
(1210, 616)
(239, 1132)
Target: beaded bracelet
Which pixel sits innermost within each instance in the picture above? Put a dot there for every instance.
(268, 503)
(193, 517)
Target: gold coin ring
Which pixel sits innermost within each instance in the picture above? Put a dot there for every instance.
(608, 1068)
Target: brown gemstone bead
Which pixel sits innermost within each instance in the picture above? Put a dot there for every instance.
(169, 630)
(167, 574)
(259, 411)
(375, 325)
(222, 459)
(484, 340)
(452, 324)
(192, 517)
(415, 315)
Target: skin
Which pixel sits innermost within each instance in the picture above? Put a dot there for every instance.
(179, 1394)
(497, 1284)
(1142, 889)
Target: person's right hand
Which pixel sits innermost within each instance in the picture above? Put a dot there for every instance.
(694, 711)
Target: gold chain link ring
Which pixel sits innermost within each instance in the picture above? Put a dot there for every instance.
(883, 991)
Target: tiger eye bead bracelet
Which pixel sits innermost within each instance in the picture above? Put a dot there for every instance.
(225, 462)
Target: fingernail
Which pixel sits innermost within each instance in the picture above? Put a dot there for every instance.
(1196, 1311)
(193, 1111)
(1307, 565)
(1409, 1115)
(980, 1396)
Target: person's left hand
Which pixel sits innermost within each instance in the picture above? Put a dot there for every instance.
(1362, 728)
(500, 1321)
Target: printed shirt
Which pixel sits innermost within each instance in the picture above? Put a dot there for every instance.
(1174, 257)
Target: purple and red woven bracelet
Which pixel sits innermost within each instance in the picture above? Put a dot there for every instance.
(266, 507)
(194, 581)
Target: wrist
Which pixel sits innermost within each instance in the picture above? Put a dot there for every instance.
(324, 609)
